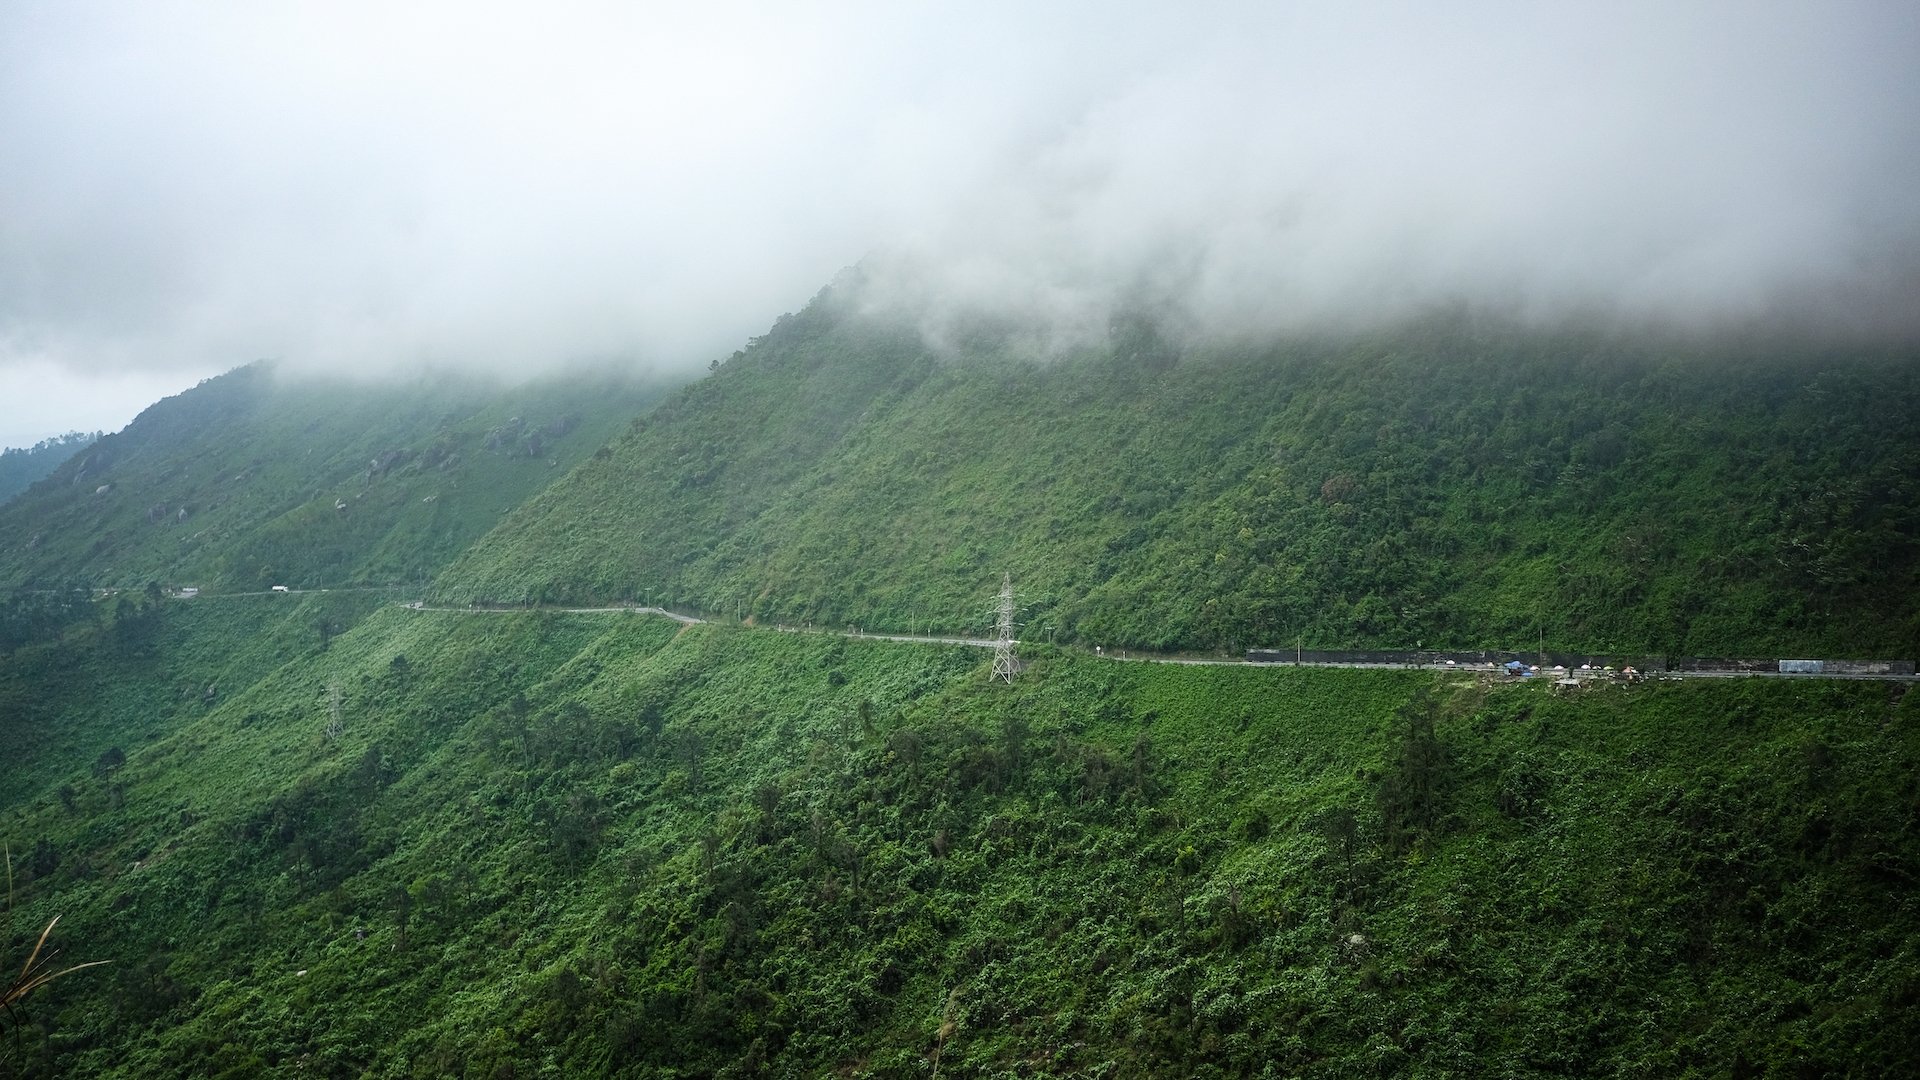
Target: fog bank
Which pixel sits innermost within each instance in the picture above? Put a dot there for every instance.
(361, 187)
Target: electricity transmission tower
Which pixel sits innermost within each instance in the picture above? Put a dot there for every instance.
(1004, 662)
(336, 726)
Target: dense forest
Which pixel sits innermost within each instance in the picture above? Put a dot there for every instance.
(21, 466)
(332, 833)
(496, 844)
(1449, 483)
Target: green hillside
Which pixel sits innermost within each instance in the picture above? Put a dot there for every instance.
(1448, 484)
(253, 479)
(324, 834)
(88, 679)
(600, 844)
(20, 467)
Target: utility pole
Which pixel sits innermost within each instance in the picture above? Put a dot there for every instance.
(1004, 662)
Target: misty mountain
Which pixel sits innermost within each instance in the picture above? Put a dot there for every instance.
(330, 833)
(20, 467)
(1452, 482)
(340, 735)
(253, 479)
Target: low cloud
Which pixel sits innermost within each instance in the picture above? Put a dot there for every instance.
(1718, 167)
(366, 186)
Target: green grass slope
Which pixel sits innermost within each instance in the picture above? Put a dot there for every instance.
(1445, 484)
(253, 479)
(603, 844)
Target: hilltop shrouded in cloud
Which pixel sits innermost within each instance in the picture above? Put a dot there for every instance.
(360, 186)
(1691, 170)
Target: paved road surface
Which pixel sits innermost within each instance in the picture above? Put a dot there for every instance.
(1133, 657)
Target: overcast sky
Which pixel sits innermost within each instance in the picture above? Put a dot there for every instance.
(185, 187)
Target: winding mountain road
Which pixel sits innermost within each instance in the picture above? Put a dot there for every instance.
(1132, 656)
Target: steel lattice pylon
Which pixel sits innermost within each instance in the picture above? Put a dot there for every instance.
(1004, 662)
